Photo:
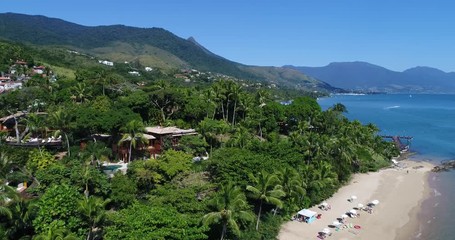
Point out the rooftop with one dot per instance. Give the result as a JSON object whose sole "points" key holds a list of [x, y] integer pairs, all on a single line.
{"points": [[169, 130]]}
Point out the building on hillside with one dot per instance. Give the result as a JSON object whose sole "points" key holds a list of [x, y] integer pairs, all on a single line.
{"points": [[11, 85], [19, 62], [161, 134], [5, 79], [26, 139], [39, 69], [107, 63], [156, 139], [134, 73]]}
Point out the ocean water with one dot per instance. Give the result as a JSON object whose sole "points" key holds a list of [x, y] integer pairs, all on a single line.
{"points": [[430, 120]]}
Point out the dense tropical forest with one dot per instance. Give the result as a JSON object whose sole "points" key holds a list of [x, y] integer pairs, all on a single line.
{"points": [[261, 152]]}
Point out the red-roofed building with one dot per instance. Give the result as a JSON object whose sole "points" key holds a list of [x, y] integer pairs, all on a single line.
{"points": [[5, 79], [21, 62], [155, 137], [39, 69]]}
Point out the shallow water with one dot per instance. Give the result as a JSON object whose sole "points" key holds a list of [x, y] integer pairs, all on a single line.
{"points": [[429, 119]]}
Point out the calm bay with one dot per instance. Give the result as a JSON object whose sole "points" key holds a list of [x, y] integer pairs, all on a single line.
{"points": [[429, 119]]}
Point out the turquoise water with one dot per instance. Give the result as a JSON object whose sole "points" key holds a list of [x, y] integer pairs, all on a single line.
{"points": [[111, 167], [430, 120]]}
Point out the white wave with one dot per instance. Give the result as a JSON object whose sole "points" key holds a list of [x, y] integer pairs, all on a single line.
{"points": [[436, 193], [391, 107]]}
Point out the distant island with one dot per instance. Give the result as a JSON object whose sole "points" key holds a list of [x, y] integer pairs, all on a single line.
{"points": [[366, 77]]}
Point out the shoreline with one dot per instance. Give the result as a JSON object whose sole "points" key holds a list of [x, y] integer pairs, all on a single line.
{"points": [[401, 192]]}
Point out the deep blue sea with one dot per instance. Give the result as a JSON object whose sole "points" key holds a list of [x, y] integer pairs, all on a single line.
{"points": [[430, 120]]}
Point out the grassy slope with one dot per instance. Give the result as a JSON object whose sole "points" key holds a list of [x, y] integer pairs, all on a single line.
{"points": [[146, 55]]}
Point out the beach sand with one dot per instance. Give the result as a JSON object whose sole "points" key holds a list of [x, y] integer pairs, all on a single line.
{"points": [[400, 192]]}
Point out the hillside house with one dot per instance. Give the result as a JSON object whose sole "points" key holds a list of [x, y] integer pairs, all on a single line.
{"points": [[157, 137], [18, 62], [107, 63], [39, 69], [5, 79], [8, 124], [134, 73]]}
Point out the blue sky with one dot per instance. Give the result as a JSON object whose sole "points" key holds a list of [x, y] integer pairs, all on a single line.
{"points": [[397, 34]]}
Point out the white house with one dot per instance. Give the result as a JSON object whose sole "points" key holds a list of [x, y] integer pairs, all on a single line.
{"points": [[107, 63], [134, 73]]}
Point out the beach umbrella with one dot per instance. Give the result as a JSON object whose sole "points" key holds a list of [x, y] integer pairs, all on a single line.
{"points": [[326, 230], [353, 211], [360, 205], [344, 216], [353, 197], [336, 223], [375, 202]]}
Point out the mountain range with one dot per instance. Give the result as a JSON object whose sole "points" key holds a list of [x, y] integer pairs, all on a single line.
{"points": [[159, 48], [363, 76], [155, 47]]}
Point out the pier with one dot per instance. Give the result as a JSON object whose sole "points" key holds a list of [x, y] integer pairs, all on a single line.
{"points": [[398, 143]]}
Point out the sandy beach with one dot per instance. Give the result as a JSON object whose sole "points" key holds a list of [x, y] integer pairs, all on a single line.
{"points": [[400, 192]]}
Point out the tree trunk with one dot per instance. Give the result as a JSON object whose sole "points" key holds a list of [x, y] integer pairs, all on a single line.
{"points": [[17, 131], [129, 151], [233, 114], [163, 116], [222, 110], [67, 144], [260, 130], [227, 111], [86, 193], [275, 210], [259, 216], [223, 231]]}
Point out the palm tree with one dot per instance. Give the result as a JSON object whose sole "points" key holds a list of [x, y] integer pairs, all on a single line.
{"points": [[7, 194], [93, 209], [262, 96], [55, 233], [241, 137], [236, 90], [209, 98], [80, 92], [133, 132], [95, 151], [3, 135], [61, 121], [229, 205], [23, 214], [87, 177], [103, 79], [339, 108], [292, 183], [266, 190], [35, 124], [6, 165], [219, 94]]}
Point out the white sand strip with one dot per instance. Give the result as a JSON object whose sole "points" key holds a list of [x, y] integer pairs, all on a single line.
{"points": [[399, 191]]}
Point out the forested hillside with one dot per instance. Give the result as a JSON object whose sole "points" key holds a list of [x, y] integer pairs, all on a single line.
{"points": [[253, 163], [155, 47]]}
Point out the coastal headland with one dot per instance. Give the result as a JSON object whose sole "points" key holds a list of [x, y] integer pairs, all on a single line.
{"points": [[400, 191]]}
